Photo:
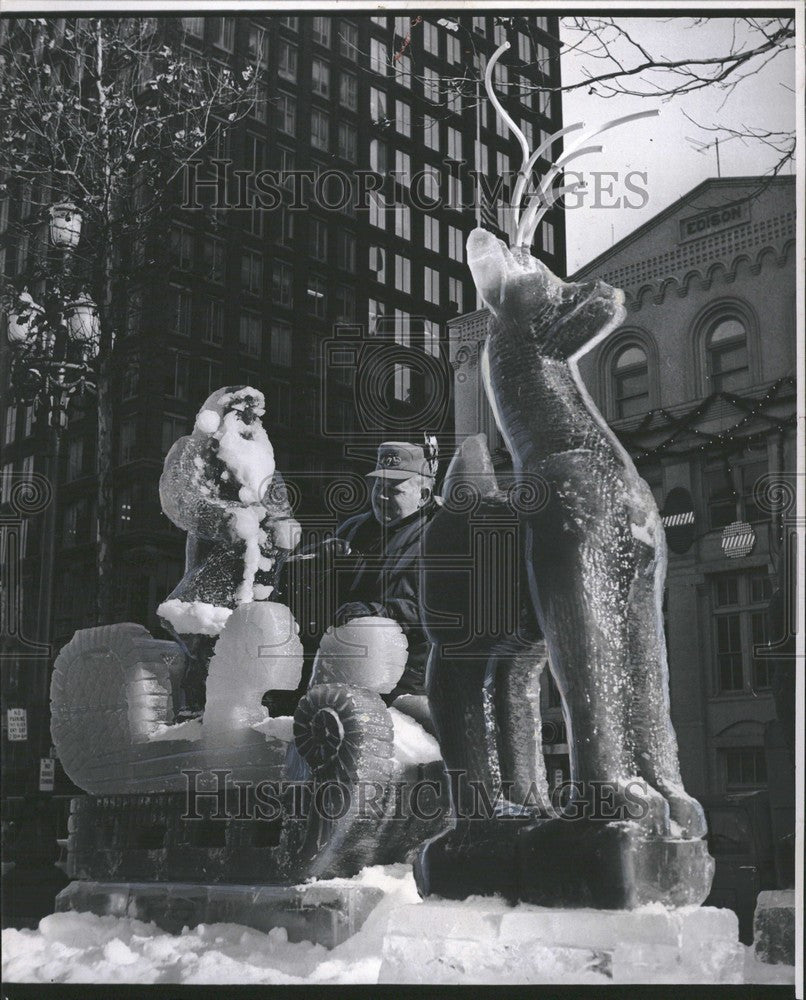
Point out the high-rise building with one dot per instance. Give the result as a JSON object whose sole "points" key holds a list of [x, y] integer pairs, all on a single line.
{"points": [[363, 141]]}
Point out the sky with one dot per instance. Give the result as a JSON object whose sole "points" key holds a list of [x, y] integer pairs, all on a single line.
{"points": [[660, 147]]}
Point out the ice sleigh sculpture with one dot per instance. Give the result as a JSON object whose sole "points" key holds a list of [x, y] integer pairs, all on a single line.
{"points": [[113, 693]]}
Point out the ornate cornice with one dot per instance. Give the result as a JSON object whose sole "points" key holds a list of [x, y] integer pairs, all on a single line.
{"points": [[703, 278], [771, 233]]}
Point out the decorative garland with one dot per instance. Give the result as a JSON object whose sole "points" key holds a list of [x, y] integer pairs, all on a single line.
{"points": [[725, 440]]}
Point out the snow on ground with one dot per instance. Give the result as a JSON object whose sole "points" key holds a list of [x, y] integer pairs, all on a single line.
{"points": [[84, 948]]}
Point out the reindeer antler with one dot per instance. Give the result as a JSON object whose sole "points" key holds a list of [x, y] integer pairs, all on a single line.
{"points": [[543, 198]]}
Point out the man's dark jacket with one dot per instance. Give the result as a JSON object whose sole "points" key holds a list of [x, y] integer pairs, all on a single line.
{"points": [[382, 571]]}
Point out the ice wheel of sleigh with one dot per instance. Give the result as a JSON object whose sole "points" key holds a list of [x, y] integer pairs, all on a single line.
{"points": [[344, 733]]}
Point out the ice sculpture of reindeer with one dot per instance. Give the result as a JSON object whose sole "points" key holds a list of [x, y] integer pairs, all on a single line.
{"points": [[592, 565]]}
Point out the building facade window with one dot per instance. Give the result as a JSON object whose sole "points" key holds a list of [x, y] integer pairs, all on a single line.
{"points": [[402, 274], [403, 71], [182, 248], [211, 375], [730, 487], [431, 38], [431, 84], [630, 374], [456, 244], [285, 227], [223, 33], [250, 334], [77, 523], [431, 132], [320, 129], [431, 337], [181, 308], [377, 210], [287, 113], [281, 349], [403, 118], [345, 304], [431, 233], [10, 432], [258, 46], [348, 39], [744, 768], [378, 159], [124, 508], [346, 251], [402, 168], [173, 428], [348, 141], [739, 627], [282, 284], [377, 104], [727, 363], [320, 77], [403, 221], [318, 239], [287, 60], [454, 144], [377, 57], [320, 30], [455, 294], [377, 262], [193, 26], [252, 272], [547, 236], [128, 440], [317, 296], [431, 285], [213, 253], [213, 329], [348, 90]]}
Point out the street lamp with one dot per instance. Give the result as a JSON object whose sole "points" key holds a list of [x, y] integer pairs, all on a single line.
{"points": [[54, 345], [65, 225]]}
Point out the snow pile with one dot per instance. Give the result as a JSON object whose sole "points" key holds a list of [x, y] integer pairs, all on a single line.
{"points": [[189, 731], [194, 617], [279, 728], [84, 948], [413, 745]]}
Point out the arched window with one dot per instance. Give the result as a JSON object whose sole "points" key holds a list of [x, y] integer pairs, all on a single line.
{"points": [[630, 381], [726, 350]]}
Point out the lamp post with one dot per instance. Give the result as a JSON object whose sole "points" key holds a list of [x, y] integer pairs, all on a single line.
{"points": [[54, 346]]}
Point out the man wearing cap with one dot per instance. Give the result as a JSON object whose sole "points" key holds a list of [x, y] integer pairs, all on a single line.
{"points": [[383, 548]]}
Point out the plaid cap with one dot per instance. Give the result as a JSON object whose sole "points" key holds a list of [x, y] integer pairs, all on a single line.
{"points": [[401, 460]]}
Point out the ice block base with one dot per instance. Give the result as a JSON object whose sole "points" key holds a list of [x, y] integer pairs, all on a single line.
{"points": [[483, 941], [320, 913], [555, 862], [774, 927]]}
